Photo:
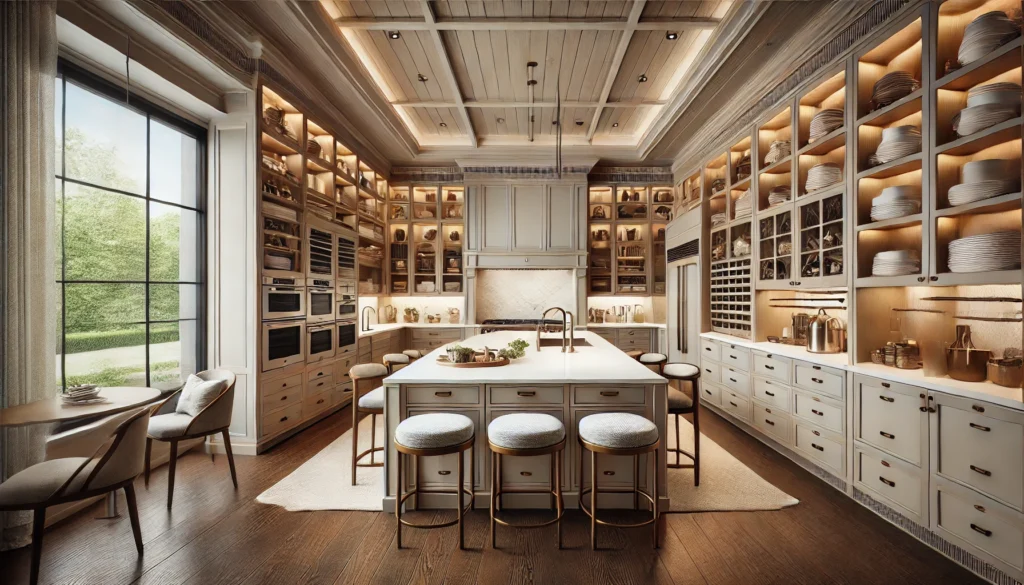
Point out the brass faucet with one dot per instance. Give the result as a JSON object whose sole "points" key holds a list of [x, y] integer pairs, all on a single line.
{"points": [[567, 319]]}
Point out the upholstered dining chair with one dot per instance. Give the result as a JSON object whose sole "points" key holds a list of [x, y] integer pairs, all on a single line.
{"points": [[109, 459], [200, 409]]}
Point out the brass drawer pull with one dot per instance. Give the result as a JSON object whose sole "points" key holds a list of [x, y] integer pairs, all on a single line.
{"points": [[769, 367], [984, 472], [768, 410], [818, 412], [978, 408], [818, 447], [980, 530], [769, 422], [885, 463], [979, 508], [887, 482], [886, 385], [525, 473], [887, 435], [815, 367], [443, 394], [283, 398], [980, 428], [609, 393], [283, 418], [769, 394], [707, 370], [734, 404], [733, 380], [816, 433], [609, 473], [321, 401], [445, 472], [708, 392], [817, 381], [733, 357], [887, 399], [707, 349], [526, 393]]}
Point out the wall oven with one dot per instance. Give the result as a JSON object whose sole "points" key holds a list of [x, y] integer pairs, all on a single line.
{"points": [[320, 296], [346, 338], [284, 344], [347, 305], [283, 299], [320, 342]]}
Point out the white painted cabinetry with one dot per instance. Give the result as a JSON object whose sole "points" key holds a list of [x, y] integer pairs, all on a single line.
{"points": [[532, 218]]}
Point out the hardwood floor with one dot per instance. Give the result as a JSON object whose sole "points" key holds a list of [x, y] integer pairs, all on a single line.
{"points": [[216, 535]]}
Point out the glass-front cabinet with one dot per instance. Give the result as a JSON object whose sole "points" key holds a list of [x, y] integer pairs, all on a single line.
{"points": [[821, 260], [775, 245]]}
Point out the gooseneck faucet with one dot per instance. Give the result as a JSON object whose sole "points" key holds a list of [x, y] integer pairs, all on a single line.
{"points": [[566, 320], [365, 324]]}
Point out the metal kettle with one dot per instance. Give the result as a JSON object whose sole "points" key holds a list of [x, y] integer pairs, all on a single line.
{"points": [[826, 334]]}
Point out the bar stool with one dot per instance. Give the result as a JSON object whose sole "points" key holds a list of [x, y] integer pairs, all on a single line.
{"points": [[653, 360], [433, 435], [526, 435], [414, 354], [395, 362], [618, 433], [679, 404], [635, 354], [372, 403]]}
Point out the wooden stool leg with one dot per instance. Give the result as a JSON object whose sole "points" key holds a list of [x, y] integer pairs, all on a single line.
{"points": [[696, 445], [472, 478], [355, 434], [494, 491], [654, 508], [636, 482], [679, 446], [38, 527], [373, 435], [559, 506], [461, 485], [398, 499], [593, 500], [498, 503]]}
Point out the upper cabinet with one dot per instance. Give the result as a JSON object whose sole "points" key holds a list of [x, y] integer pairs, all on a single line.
{"points": [[525, 218]]}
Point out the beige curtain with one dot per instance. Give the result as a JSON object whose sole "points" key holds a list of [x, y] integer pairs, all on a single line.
{"points": [[28, 66]]}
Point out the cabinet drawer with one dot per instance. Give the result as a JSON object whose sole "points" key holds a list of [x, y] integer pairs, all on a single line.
{"points": [[819, 379], [710, 350], [319, 371], [894, 480], [710, 393], [446, 334], [282, 398], [639, 334], [772, 366], [282, 420], [773, 423], [274, 386], [981, 451], [443, 395], [980, 522], [735, 404], [527, 394], [317, 403], [606, 334], [888, 416], [736, 356], [736, 380], [825, 413], [608, 395], [710, 372], [826, 450], [773, 394], [629, 343], [319, 386], [341, 369]]}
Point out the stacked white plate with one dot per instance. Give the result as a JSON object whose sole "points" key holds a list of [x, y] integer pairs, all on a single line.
{"points": [[896, 263], [892, 87], [779, 195], [896, 201], [988, 105], [82, 394], [778, 150], [985, 252], [823, 175], [985, 34], [743, 207], [718, 219], [824, 122], [984, 179], [897, 143]]}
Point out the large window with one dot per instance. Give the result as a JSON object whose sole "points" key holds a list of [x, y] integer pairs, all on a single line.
{"points": [[130, 238]]}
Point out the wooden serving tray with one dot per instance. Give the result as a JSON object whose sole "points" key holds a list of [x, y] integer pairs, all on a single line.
{"points": [[490, 364]]}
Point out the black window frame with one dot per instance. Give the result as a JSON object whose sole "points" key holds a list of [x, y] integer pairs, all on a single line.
{"points": [[85, 79]]}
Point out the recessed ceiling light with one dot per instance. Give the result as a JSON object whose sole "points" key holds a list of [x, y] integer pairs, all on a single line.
{"points": [[394, 35], [642, 78], [500, 120], [421, 77], [615, 125], [443, 125], [670, 36]]}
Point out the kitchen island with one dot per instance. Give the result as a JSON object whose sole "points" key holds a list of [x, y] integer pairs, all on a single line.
{"points": [[597, 377]]}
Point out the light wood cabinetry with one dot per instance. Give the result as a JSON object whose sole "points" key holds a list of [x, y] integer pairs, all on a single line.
{"points": [[426, 234], [527, 232], [529, 219], [626, 238]]}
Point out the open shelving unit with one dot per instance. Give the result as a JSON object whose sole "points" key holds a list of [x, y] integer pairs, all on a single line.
{"points": [[425, 239]]}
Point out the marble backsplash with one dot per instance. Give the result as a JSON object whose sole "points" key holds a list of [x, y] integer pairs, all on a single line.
{"points": [[522, 294]]}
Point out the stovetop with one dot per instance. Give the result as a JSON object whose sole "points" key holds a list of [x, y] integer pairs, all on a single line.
{"points": [[516, 324]]}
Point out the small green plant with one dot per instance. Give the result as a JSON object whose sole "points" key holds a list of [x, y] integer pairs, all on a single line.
{"points": [[515, 350], [460, 354]]}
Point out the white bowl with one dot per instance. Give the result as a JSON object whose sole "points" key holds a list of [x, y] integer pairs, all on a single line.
{"points": [[898, 193], [991, 170]]}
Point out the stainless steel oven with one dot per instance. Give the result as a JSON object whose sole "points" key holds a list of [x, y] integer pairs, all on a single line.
{"points": [[283, 299], [347, 304], [284, 343], [320, 342], [320, 296], [346, 338]]}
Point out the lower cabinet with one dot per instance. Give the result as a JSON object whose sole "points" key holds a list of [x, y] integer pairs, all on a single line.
{"points": [[985, 527], [893, 481]]}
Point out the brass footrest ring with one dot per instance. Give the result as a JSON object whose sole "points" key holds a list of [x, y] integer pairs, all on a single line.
{"points": [[367, 452], [637, 491], [494, 514], [417, 491]]}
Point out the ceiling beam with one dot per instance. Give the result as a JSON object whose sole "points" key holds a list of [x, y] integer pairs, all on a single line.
{"points": [[676, 24], [613, 71], [449, 72], [518, 104]]}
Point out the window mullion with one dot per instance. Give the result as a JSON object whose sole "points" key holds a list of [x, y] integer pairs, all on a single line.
{"points": [[149, 173]]}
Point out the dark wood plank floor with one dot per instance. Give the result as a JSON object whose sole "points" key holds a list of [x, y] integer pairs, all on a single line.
{"points": [[216, 535]]}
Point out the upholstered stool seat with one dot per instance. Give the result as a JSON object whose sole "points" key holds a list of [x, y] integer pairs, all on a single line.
{"points": [[621, 434], [635, 353], [369, 370], [432, 435], [435, 430], [678, 400], [618, 430], [372, 400], [653, 358], [396, 358], [680, 371], [526, 435], [413, 353], [679, 403]]}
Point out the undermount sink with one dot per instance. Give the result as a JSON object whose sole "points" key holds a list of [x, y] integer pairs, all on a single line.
{"points": [[557, 342]]}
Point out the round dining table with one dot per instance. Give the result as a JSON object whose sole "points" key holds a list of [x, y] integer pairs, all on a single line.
{"points": [[53, 410]]}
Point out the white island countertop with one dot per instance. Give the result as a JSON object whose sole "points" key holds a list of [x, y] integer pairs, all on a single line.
{"points": [[598, 363]]}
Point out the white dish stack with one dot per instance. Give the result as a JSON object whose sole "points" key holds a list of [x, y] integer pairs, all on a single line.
{"points": [[824, 122], [984, 179], [718, 219], [823, 175], [985, 34], [777, 150], [988, 105], [743, 207], [893, 87], [779, 195], [82, 394], [896, 201], [897, 142], [896, 263], [985, 252]]}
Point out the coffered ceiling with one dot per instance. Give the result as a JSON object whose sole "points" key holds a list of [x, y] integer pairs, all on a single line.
{"points": [[456, 72]]}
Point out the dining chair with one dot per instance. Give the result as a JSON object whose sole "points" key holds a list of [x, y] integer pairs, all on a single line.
{"points": [[200, 409], [111, 457]]}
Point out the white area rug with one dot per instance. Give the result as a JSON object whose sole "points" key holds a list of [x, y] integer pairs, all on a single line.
{"points": [[323, 483]]}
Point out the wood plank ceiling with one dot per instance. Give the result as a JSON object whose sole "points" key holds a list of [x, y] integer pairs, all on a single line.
{"points": [[456, 70]]}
